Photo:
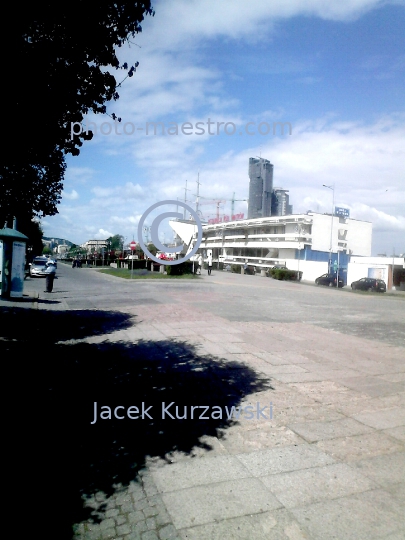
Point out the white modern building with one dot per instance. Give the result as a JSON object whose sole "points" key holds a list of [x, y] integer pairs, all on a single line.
{"points": [[62, 248], [94, 245], [304, 242]]}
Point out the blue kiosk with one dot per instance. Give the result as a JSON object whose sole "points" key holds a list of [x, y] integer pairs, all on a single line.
{"points": [[12, 263]]}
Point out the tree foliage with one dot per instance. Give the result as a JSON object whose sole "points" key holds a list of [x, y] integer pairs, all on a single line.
{"points": [[152, 248], [76, 250], [54, 60], [115, 242], [32, 229]]}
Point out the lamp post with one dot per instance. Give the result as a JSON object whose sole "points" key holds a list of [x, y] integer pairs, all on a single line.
{"points": [[299, 231], [146, 231], [332, 187], [108, 251]]}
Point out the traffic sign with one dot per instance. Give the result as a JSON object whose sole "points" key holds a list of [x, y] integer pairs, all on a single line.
{"points": [[132, 245]]}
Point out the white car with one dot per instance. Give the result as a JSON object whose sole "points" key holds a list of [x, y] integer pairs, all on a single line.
{"points": [[38, 267]]}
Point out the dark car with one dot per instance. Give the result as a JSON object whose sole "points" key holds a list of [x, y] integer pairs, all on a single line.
{"points": [[329, 280], [369, 284]]}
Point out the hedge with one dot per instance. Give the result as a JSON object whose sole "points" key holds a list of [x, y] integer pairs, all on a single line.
{"points": [[284, 274], [179, 269]]}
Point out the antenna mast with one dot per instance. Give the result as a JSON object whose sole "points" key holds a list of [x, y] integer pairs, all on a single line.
{"points": [[185, 198]]}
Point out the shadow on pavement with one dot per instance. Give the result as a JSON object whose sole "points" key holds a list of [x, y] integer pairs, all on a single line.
{"points": [[56, 385], [43, 328]]}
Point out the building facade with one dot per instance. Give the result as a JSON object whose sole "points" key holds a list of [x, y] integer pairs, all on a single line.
{"points": [[94, 245], [299, 242], [260, 188], [281, 203], [389, 269]]}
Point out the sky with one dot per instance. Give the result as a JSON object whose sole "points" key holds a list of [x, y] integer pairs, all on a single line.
{"points": [[332, 71]]}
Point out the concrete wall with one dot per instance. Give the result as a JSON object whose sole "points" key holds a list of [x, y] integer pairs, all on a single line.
{"points": [[359, 237], [310, 269], [357, 271], [321, 232], [286, 253], [376, 267]]}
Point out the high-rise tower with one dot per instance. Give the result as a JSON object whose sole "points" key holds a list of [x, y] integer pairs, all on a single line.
{"points": [[260, 188], [281, 203]]}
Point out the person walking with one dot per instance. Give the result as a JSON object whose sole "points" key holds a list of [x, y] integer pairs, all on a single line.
{"points": [[50, 276], [200, 263], [209, 263]]}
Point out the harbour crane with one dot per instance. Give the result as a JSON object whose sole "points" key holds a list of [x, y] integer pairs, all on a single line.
{"points": [[218, 202], [233, 200]]}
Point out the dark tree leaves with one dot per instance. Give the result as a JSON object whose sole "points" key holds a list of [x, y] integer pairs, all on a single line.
{"points": [[53, 59]]}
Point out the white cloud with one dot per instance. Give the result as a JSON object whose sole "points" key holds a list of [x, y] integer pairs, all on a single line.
{"points": [[102, 234], [79, 175], [118, 193], [102, 192], [183, 23], [381, 220], [72, 196]]}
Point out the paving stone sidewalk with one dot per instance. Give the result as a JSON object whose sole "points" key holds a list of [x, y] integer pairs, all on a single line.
{"points": [[329, 464]]}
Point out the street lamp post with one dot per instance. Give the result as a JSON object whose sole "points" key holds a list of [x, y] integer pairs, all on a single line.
{"points": [[332, 187], [299, 249], [123, 250], [302, 229]]}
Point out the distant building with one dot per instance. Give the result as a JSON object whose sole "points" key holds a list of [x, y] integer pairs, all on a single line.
{"points": [[389, 269], [62, 248], [94, 245], [281, 203], [260, 188], [48, 243], [264, 201]]}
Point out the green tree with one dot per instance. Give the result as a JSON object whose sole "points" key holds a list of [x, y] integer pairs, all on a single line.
{"points": [[152, 248], [46, 251], [116, 242], [33, 230], [58, 61], [76, 250]]}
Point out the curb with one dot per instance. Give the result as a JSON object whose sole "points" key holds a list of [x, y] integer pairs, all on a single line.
{"points": [[34, 303]]}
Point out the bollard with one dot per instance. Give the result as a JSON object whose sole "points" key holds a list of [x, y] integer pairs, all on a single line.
{"points": [[49, 282]]}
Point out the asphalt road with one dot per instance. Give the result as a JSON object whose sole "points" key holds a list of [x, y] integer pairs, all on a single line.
{"points": [[235, 297]]}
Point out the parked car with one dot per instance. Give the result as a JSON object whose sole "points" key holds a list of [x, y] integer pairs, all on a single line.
{"points": [[369, 284], [38, 267], [329, 280]]}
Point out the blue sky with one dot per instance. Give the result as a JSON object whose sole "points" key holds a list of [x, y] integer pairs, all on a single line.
{"points": [[333, 70]]}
